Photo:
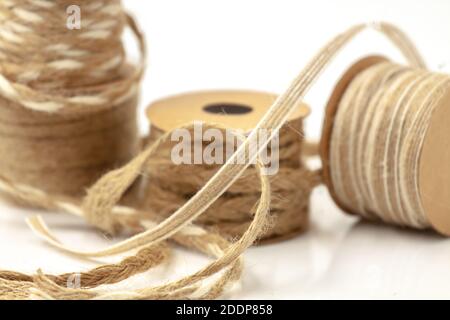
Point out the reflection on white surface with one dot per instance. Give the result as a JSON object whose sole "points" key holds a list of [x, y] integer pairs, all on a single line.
{"points": [[340, 258]]}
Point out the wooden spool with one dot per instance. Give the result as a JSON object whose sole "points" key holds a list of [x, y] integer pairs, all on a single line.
{"points": [[434, 166]]}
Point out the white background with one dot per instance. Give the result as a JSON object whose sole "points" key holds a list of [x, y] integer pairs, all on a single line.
{"points": [[262, 45]]}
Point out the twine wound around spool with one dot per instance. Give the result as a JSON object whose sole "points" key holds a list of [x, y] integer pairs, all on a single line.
{"points": [[68, 98], [168, 185], [384, 144]]}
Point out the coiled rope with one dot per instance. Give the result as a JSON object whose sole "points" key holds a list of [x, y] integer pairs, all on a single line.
{"points": [[169, 186], [387, 107], [68, 97]]}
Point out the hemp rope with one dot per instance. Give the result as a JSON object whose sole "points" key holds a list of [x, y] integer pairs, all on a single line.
{"points": [[190, 237], [68, 97], [168, 186], [72, 95], [32, 75], [99, 207], [391, 107]]}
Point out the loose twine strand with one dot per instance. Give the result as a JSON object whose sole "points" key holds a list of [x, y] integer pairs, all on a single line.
{"points": [[191, 236], [390, 108], [71, 78], [100, 205]]}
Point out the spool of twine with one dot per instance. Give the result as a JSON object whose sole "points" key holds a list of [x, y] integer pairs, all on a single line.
{"points": [[67, 97], [100, 209], [387, 150], [169, 185]]}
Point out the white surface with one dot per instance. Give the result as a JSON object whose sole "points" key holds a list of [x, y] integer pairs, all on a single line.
{"points": [[262, 45]]}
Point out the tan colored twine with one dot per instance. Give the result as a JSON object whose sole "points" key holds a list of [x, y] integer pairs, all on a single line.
{"points": [[191, 237], [100, 205], [33, 75], [68, 97], [84, 92], [169, 186], [391, 107]]}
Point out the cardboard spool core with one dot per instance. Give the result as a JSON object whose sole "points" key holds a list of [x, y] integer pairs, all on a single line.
{"points": [[231, 109], [434, 165]]}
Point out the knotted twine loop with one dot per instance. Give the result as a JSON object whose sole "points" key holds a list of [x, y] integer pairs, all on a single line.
{"points": [[274, 119]]}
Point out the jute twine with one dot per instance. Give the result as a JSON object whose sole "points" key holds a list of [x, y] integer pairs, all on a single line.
{"points": [[67, 97], [52, 287], [169, 186], [100, 209], [68, 105], [391, 108]]}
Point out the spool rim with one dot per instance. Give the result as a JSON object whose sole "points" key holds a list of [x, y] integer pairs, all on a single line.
{"points": [[434, 173], [159, 109]]}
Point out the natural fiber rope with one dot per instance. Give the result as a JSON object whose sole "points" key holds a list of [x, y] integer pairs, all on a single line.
{"points": [[191, 237], [387, 107], [71, 95], [67, 97], [169, 186], [55, 58], [100, 205]]}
